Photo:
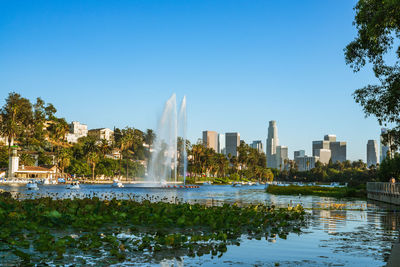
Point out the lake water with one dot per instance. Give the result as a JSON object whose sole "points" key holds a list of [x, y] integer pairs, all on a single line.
{"points": [[359, 235]]}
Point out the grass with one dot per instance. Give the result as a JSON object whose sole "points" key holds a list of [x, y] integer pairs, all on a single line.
{"points": [[338, 192]]}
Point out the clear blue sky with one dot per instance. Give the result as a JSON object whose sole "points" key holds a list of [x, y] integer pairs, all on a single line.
{"points": [[240, 63]]}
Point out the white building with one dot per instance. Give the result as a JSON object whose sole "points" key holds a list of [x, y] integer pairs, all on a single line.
{"points": [[102, 133], [221, 144], [272, 143], [76, 131]]}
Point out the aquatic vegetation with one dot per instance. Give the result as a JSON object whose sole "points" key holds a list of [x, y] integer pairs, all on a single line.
{"points": [[43, 230], [339, 192]]}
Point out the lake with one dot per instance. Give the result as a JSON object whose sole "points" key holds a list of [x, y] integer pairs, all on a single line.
{"points": [[355, 233]]}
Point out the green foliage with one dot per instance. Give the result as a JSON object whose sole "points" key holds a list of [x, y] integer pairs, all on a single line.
{"points": [[390, 167], [46, 230], [3, 157], [377, 42], [338, 192], [79, 168], [343, 172], [205, 161]]}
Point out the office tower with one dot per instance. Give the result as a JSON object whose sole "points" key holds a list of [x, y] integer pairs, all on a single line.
{"points": [[257, 145], [305, 163], [317, 145], [372, 153], [221, 143], [210, 140], [330, 137], [272, 143], [232, 141], [282, 158], [338, 150], [323, 154], [299, 153]]}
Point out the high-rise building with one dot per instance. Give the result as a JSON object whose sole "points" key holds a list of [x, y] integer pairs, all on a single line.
{"points": [[299, 153], [221, 143], [372, 153], [210, 140], [272, 143], [305, 163], [317, 145], [232, 141], [282, 159], [324, 155], [257, 145], [330, 137], [337, 149]]}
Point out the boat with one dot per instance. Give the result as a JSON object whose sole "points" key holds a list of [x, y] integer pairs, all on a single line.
{"points": [[207, 183], [117, 183], [32, 185], [73, 185]]}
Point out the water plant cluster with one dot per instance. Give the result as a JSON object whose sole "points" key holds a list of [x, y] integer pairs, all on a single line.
{"points": [[88, 230], [339, 192]]}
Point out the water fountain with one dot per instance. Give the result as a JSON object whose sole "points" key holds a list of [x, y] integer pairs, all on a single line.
{"points": [[164, 158]]}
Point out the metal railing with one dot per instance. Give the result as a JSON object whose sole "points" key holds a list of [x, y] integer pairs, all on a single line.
{"points": [[384, 188]]}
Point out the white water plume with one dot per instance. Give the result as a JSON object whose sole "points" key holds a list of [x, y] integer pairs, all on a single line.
{"points": [[164, 158]]}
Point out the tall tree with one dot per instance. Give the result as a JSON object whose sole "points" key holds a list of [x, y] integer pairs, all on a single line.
{"points": [[377, 42], [15, 116], [92, 159]]}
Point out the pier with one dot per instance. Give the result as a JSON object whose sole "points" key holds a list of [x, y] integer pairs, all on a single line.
{"points": [[384, 192]]}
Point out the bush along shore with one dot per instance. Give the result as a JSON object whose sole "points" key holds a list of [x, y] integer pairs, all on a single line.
{"points": [[93, 231], [338, 192]]}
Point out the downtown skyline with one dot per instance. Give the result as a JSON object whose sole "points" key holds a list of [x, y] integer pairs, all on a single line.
{"points": [[240, 66]]}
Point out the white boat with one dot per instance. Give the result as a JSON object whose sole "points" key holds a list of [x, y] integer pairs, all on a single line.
{"points": [[31, 185], [73, 185], [207, 183], [117, 183]]}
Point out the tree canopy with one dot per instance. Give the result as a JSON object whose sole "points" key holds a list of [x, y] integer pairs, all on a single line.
{"points": [[377, 43]]}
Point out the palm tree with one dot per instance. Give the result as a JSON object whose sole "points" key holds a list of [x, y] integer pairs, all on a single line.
{"points": [[104, 147], [64, 160], [149, 138], [92, 159], [127, 142]]}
